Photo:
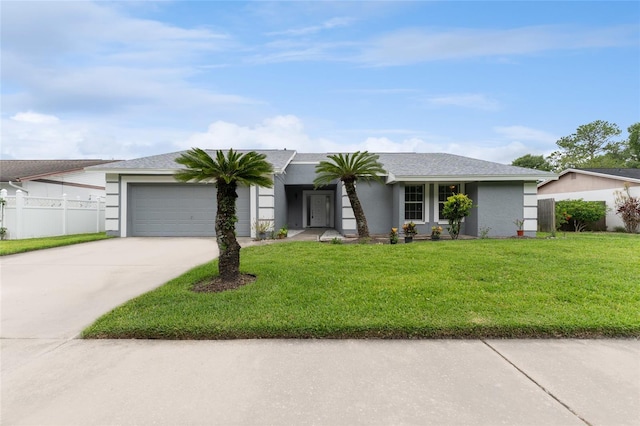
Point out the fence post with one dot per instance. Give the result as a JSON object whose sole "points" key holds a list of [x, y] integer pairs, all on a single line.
{"points": [[3, 196], [64, 214], [97, 214], [19, 211]]}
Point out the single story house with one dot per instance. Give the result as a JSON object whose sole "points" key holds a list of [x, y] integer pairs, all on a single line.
{"points": [[144, 199], [53, 178], [593, 185]]}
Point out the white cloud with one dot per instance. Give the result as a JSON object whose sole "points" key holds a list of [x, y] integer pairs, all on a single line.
{"points": [[34, 117], [284, 131], [30, 135], [89, 57], [411, 46], [522, 133], [471, 100], [326, 25]]}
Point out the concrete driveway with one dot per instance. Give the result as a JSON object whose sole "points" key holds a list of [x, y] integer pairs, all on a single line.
{"points": [[55, 293]]}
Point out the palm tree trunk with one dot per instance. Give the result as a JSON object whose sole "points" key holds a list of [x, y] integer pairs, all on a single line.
{"points": [[361, 220], [229, 258]]}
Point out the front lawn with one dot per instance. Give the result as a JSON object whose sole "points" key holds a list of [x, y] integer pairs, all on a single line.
{"points": [[585, 285], [30, 244]]}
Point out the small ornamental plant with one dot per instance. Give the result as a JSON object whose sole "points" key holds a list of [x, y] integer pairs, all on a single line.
{"points": [[435, 232], [409, 229], [393, 236], [456, 208]]}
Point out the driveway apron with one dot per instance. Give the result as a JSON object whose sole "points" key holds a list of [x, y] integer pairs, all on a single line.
{"points": [[55, 293]]}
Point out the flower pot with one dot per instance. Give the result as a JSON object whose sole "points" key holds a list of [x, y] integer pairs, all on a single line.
{"points": [[520, 232], [262, 235], [435, 237], [408, 240]]}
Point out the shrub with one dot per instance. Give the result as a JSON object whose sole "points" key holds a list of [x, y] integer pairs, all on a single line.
{"points": [[580, 211], [628, 208], [456, 208]]}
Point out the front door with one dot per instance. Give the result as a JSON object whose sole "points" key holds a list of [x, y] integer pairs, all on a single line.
{"points": [[319, 209]]}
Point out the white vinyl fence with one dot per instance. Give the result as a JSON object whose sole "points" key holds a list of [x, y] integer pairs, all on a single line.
{"points": [[32, 217]]}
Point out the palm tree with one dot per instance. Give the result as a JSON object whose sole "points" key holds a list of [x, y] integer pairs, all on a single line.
{"points": [[350, 168], [228, 172]]}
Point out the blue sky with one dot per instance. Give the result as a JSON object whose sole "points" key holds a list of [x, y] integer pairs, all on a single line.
{"points": [[490, 80]]}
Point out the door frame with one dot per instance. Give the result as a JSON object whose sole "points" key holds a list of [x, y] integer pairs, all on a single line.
{"points": [[305, 206]]}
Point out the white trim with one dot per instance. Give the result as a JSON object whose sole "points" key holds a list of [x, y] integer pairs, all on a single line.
{"points": [[426, 194], [332, 208], [253, 209], [436, 198], [597, 174], [124, 188], [470, 178]]}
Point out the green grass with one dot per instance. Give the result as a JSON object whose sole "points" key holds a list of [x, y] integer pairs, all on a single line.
{"points": [[30, 244], [585, 285]]}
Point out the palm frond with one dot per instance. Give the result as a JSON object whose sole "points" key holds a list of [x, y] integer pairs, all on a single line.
{"points": [[349, 167], [248, 169]]}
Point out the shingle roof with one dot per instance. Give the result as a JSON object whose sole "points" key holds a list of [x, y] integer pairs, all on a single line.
{"points": [[278, 158], [21, 170], [439, 165], [405, 165], [627, 173]]}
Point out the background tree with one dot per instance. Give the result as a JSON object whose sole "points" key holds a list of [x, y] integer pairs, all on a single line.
{"points": [[581, 212], [633, 146], [530, 161], [456, 208], [349, 168], [227, 172], [587, 146]]}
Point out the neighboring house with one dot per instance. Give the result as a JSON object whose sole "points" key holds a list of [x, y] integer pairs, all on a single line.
{"points": [[53, 178], [593, 185], [143, 198]]}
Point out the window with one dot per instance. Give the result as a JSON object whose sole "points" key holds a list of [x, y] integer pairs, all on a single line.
{"points": [[444, 192], [414, 202]]}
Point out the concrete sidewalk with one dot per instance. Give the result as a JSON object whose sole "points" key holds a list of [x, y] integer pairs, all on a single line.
{"points": [[329, 382]]}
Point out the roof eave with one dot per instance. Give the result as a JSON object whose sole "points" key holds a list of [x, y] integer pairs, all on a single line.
{"points": [[602, 175], [483, 178]]}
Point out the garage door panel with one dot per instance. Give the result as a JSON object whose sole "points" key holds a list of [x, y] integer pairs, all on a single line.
{"points": [[180, 210]]}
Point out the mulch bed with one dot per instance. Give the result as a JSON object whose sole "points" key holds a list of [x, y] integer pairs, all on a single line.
{"points": [[217, 284]]}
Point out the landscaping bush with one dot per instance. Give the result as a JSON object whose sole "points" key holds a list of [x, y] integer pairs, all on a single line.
{"points": [[456, 208], [579, 212]]}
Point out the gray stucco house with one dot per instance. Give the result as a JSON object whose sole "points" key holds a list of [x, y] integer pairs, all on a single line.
{"points": [[143, 198]]}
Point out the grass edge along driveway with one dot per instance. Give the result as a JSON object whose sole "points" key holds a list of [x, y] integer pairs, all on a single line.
{"points": [[8, 247], [584, 285]]}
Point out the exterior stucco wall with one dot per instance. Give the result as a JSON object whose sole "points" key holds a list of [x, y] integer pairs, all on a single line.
{"points": [[300, 174], [471, 225], [499, 204], [377, 203]]}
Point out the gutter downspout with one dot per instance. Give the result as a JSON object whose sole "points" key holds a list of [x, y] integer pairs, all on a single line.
{"points": [[11, 184]]}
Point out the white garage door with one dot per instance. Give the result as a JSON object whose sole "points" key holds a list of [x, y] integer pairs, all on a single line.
{"points": [[180, 210]]}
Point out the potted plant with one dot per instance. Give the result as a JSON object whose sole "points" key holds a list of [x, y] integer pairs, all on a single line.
{"points": [[393, 236], [283, 232], [409, 230], [262, 227], [435, 232], [519, 223]]}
